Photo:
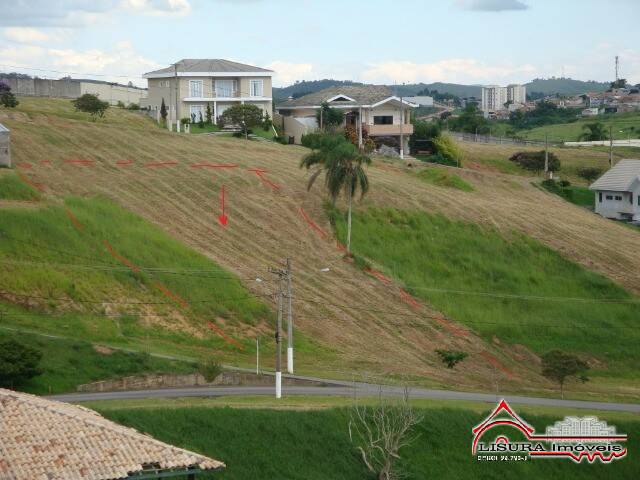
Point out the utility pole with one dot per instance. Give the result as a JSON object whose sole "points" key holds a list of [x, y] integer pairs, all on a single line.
{"points": [[611, 142], [289, 321], [617, 66], [282, 276], [257, 355], [546, 155], [401, 128], [321, 114]]}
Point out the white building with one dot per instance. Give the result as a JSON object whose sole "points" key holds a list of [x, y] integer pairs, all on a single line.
{"points": [[494, 97], [422, 101], [618, 191]]}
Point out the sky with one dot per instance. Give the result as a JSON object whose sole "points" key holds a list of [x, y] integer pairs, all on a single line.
{"points": [[373, 41]]}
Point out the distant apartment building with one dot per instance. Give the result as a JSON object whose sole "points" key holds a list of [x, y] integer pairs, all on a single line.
{"points": [[494, 97], [190, 85]]}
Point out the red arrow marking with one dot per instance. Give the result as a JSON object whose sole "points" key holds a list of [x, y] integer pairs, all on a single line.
{"points": [[223, 219]]}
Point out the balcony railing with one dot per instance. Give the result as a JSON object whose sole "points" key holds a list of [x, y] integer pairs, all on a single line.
{"points": [[407, 129]]}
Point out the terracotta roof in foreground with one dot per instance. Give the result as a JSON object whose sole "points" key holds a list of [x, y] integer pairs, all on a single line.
{"points": [[43, 439]]}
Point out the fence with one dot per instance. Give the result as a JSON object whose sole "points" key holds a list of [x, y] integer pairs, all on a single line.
{"points": [[472, 137]]}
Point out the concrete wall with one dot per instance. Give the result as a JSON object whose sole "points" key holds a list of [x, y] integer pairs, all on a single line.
{"points": [[68, 88], [294, 128], [5, 146], [145, 382]]}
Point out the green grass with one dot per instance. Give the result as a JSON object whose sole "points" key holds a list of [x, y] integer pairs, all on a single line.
{"points": [[68, 363], [266, 444], [624, 125], [75, 287], [429, 253], [444, 178], [577, 195], [13, 188], [261, 132], [195, 128]]}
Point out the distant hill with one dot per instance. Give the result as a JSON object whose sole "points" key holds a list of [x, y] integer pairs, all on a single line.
{"points": [[564, 86], [546, 86]]}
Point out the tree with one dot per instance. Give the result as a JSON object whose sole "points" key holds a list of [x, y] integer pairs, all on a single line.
{"points": [[558, 366], [593, 132], [7, 99], [344, 171], [210, 369], [18, 363], [328, 116], [163, 111], [209, 114], [470, 121], [451, 357], [590, 173], [91, 104], [379, 432], [448, 149], [246, 116], [620, 83], [534, 161]]}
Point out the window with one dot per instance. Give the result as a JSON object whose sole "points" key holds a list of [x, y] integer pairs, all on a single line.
{"points": [[383, 120], [600, 197], [196, 112], [609, 197], [225, 88], [163, 83], [195, 88], [255, 88], [639, 200], [618, 197]]}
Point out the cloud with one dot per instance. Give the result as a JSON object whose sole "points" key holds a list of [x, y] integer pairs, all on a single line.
{"points": [[285, 73], [461, 70], [491, 5], [119, 64], [26, 35], [158, 7], [74, 13]]}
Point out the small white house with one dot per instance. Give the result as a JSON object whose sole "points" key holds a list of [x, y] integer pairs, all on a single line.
{"points": [[618, 191]]}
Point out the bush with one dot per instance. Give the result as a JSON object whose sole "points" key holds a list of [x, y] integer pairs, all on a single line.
{"points": [[133, 106], [185, 121], [210, 369], [318, 141], [91, 104], [590, 173], [120, 104], [7, 99], [311, 140], [534, 161], [447, 148], [18, 363], [281, 139], [559, 188], [247, 116]]}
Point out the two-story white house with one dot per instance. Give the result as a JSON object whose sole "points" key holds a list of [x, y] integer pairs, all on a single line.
{"points": [[189, 85], [370, 108], [618, 191]]}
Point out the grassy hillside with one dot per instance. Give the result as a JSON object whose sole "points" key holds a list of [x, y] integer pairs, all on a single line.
{"points": [[265, 444], [12, 187], [564, 86], [341, 313], [68, 363], [508, 288], [624, 126]]}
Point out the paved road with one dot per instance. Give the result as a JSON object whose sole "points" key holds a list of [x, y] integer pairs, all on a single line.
{"points": [[339, 388]]}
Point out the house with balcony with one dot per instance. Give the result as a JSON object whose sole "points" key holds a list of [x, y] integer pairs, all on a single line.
{"points": [[189, 85], [372, 109]]}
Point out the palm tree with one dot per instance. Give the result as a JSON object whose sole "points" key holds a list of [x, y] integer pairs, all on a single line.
{"points": [[344, 171], [593, 132]]}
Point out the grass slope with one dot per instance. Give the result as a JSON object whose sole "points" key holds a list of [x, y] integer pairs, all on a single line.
{"points": [[444, 178], [13, 188], [429, 253], [69, 363], [265, 444], [624, 125]]}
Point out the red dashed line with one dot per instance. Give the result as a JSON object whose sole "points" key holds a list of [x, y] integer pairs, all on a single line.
{"points": [[379, 275], [160, 164], [76, 223], [496, 363], [45, 162], [37, 186], [409, 299], [124, 163], [168, 293], [213, 165], [340, 246], [119, 257], [224, 336], [79, 162], [312, 224], [25, 166]]}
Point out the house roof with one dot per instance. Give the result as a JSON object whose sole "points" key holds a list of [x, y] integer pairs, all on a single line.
{"points": [[210, 65], [49, 440], [620, 178], [356, 95]]}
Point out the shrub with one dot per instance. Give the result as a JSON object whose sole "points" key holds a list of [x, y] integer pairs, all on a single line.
{"points": [[266, 122], [534, 161], [185, 121], [447, 148], [18, 363], [210, 368], [7, 99], [209, 114], [451, 357], [247, 116], [120, 104], [91, 104], [133, 106], [590, 173]]}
